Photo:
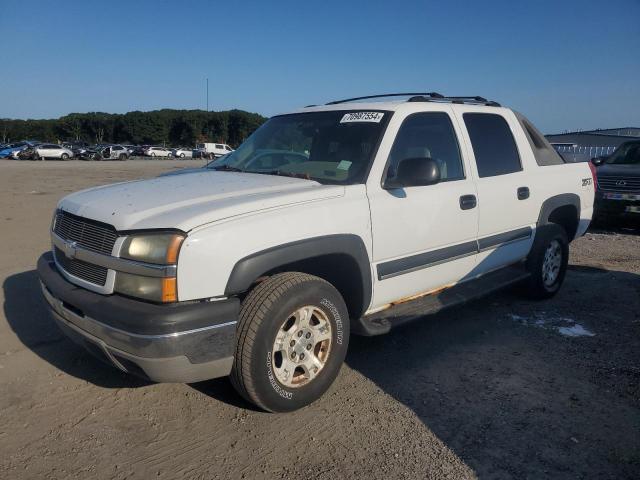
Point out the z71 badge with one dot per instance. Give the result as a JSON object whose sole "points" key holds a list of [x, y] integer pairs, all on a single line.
{"points": [[587, 181]]}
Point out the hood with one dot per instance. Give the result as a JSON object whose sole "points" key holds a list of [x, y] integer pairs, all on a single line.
{"points": [[618, 170], [188, 201]]}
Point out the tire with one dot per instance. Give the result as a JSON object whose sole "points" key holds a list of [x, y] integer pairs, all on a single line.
{"points": [[547, 262], [265, 313], [182, 155], [64, 156], [122, 157], [152, 154]]}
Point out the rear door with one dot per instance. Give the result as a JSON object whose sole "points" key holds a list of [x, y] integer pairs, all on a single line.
{"points": [[507, 213]]}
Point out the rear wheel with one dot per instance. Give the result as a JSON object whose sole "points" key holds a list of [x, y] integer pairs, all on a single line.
{"points": [[122, 157], [292, 339], [547, 262], [64, 156]]}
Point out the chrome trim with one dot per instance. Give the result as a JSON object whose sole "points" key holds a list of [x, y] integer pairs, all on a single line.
{"points": [[103, 290], [72, 250], [162, 345]]}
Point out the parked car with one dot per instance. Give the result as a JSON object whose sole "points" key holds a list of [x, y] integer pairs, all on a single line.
{"points": [[157, 152], [182, 152], [79, 149], [618, 184], [139, 150], [28, 153], [389, 211], [52, 151], [11, 150], [215, 149], [111, 152]]}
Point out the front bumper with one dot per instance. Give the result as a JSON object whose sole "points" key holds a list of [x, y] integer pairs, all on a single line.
{"points": [[619, 205], [164, 343]]}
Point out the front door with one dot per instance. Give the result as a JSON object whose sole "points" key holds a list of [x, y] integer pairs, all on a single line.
{"points": [[424, 238]]}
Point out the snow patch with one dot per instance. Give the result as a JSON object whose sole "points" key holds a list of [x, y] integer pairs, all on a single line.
{"points": [[563, 325], [576, 330]]}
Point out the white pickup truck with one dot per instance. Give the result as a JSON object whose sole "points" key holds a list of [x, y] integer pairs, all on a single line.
{"points": [[356, 216]]}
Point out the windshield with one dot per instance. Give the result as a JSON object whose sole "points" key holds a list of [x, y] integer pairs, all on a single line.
{"points": [[328, 147], [627, 154]]}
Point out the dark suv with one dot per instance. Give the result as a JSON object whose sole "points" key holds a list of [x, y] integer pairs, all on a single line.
{"points": [[618, 184]]}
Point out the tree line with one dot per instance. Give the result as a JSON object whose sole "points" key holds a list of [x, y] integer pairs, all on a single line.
{"points": [[160, 127]]}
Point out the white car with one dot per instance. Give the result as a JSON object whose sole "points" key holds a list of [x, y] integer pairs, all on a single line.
{"points": [[214, 149], [158, 152], [182, 152], [51, 150], [357, 218]]}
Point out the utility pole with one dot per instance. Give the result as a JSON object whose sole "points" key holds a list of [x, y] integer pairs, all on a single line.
{"points": [[207, 94]]}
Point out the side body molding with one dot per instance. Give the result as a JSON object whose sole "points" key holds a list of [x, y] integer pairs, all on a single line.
{"points": [[347, 248]]}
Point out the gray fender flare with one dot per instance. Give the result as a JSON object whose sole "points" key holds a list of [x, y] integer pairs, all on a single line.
{"points": [[550, 204], [561, 200], [247, 270]]}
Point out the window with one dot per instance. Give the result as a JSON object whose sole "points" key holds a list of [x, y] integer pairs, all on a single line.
{"points": [[428, 135], [219, 147], [493, 144]]}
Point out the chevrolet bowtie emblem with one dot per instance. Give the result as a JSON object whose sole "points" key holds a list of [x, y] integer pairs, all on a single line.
{"points": [[621, 183], [71, 249]]}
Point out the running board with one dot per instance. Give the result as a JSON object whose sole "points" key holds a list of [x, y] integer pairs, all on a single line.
{"points": [[382, 322]]}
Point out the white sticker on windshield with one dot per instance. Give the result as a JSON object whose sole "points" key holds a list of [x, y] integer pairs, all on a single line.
{"points": [[344, 165], [362, 117]]}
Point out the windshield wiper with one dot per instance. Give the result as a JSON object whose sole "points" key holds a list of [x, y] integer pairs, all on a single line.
{"points": [[227, 168], [304, 176]]}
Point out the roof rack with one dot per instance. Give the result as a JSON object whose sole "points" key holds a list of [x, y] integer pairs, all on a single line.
{"points": [[346, 100], [425, 97]]}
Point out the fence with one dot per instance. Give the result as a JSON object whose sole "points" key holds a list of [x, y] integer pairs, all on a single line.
{"points": [[590, 152]]}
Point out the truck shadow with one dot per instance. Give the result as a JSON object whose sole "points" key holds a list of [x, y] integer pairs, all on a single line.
{"points": [[27, 314], [504, 390]]}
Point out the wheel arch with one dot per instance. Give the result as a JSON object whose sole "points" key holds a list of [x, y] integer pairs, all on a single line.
{"points": [[340, 259], [563, 210]]}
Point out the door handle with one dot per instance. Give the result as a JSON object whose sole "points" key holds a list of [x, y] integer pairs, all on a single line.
{"points": [[523, 193], [468, 202]]}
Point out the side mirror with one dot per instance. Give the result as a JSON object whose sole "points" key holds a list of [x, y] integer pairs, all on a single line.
{"points": [[414, 172], [598, 161]]}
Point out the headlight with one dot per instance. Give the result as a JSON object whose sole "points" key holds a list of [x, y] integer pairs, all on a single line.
{"points": [[155, 289], [159, 248], [156, 248]]}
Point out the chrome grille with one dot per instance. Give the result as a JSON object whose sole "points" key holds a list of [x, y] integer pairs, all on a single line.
{"points": [[619, 184], [86, 271], [91, 235]]}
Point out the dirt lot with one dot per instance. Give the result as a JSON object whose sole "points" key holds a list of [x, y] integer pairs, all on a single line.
{"points": [[502, 388]]}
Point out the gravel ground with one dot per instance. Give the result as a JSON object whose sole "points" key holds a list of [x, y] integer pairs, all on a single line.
{"points": [[501, 388]]}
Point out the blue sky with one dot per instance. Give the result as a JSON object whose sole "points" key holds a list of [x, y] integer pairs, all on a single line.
{"points": [[564, 64]]}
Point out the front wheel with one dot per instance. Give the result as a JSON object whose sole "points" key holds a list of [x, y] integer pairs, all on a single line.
{"points": [[122, 157], [547, 262], [292, 340], [64, 156]]}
